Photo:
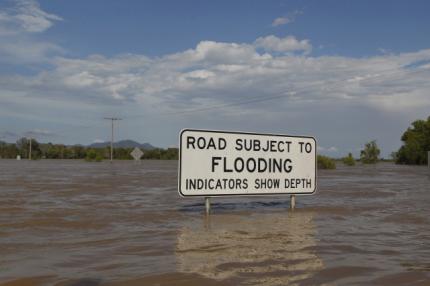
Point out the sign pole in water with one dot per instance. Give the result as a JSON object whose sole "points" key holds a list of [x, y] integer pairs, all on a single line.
{"points": [[218, 163], [292, 202], [208, 205]]}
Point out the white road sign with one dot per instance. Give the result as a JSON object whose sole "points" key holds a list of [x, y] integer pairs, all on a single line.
{"points": [[218, 163], [136, 153]]}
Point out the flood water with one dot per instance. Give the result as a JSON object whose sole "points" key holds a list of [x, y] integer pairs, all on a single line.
{"points": [[83, 224]]}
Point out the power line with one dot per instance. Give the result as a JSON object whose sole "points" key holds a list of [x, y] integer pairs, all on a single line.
{"points": [[293, 91], [387, 72], [249, 101]]}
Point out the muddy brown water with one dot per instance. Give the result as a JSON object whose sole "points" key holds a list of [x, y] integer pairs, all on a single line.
{"points": [[82, 224]]}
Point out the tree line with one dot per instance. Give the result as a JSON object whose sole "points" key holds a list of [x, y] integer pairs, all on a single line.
{"points": [[416, 144], [414, 151], [61, 151]]}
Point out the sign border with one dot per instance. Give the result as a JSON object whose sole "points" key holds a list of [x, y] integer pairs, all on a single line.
{"points": [[247, 133]]}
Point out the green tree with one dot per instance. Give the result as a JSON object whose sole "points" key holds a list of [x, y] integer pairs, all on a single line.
{"points": [[349, 160], [393, 156], [53, 151], [370, 154], [416, 144], [122, 153], [325, 162], [94, 155], [169, 154], [78, 151], [23, 145], [8, 151], [153, 154]]}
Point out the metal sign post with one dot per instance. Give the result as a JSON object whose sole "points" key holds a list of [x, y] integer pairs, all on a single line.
{"points": [[218, 163], [292, 202], [208, 205]]}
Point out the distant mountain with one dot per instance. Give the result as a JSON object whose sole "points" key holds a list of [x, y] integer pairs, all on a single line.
{"points": [[123, 144]]}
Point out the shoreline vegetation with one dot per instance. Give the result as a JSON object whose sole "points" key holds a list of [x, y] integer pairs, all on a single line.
{"points": [[416, 144], [414, 151], [92, 154]]}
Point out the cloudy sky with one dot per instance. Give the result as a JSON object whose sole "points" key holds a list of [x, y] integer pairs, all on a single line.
{"points": [[345, 72]]}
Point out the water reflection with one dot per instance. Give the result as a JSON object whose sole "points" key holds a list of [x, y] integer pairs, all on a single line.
{"points": [[266, 248]]}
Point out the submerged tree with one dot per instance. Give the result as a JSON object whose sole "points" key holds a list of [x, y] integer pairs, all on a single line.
{"points": [[370, 154], [324, 162], [61, 151], [416, 144], [8, 150], [349, 160], [23, 146], [93, 155]]}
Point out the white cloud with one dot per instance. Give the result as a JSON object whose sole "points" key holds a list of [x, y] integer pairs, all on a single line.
{"points": [[17, 51], [384, 51], [291, 17], [25, 16], [199, 74], [270, 83], [284, 45], [215, 52], [331, 149], [280, 21], [19, 26], [272, 79], [225, 74]]}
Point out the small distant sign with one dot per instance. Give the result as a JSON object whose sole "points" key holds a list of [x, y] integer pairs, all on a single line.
{"points": [[136, 154], [217, 163]]}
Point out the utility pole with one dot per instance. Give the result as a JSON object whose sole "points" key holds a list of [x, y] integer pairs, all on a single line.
{"points": [[29, 153], [111, 140]]}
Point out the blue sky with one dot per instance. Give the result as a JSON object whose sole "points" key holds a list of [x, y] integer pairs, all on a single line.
{"points": [[344, 71], [156, 28]]}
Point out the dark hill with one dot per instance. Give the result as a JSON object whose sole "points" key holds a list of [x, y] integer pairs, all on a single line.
{"points": [[123, 144]]}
